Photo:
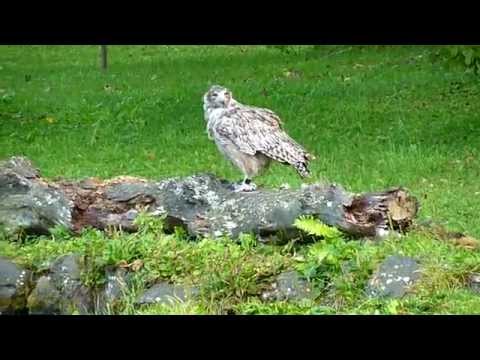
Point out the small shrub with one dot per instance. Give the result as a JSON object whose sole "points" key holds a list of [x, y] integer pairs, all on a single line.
{"points": [[466, 57]]}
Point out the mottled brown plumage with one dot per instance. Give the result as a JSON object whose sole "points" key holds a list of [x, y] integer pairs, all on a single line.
{"points": [[250, 136]]}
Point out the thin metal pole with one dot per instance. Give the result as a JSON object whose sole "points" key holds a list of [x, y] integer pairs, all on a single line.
{"points": [[103, 57]]}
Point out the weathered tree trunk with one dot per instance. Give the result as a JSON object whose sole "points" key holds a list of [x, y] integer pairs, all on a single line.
{"points": [[203, 204], [103, 57]]}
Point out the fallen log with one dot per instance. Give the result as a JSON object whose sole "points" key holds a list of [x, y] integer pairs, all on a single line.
{"points": [[202, 204]]}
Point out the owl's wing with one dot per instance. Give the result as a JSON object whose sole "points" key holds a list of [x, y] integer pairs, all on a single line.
{"points": [[255, 130], [267, 116]]}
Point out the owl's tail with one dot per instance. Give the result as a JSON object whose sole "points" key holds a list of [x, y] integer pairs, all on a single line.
{"points": [[302, 169]]}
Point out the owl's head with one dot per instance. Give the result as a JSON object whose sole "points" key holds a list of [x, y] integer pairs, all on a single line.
{"points": [[217, 97]]}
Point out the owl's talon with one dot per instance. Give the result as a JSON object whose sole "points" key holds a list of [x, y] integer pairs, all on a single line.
{"points": [[244, 187]]}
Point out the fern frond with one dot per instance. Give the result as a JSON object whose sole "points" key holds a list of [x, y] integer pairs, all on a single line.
{"points": [[312, 226]]}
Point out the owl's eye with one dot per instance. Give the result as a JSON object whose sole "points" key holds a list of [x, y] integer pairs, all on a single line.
{"points": [[214, 95]]}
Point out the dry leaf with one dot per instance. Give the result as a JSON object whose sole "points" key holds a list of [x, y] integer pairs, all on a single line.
{"points": [[467, 242], [150, 155], [123, 264], [136, 265]]}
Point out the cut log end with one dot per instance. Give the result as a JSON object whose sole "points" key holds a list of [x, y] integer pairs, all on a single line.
{"points": [[372, 214]]}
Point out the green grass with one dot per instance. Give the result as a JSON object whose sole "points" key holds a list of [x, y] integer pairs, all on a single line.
{"points": [[374, 116]]}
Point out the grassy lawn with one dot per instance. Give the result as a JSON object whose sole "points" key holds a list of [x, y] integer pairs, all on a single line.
{"points": [[375, 117]]}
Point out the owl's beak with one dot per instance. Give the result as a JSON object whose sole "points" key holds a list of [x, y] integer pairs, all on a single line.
{"points": [[228, 97]]}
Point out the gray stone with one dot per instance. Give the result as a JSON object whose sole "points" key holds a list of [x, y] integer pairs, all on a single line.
{"points": [[15, 284], [474, 282], [116, 285], [45, 298], [166, 293], [288, 286], [66, 269], [28, 205], [394, 277], [61, 290]]}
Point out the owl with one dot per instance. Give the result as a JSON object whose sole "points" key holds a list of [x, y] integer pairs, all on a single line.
{"points": [[250, 137]]}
